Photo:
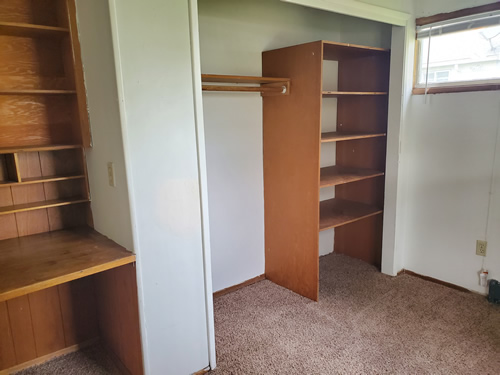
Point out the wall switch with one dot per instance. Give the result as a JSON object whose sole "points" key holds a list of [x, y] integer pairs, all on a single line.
{"points": [[481, 248], [111, 174]]}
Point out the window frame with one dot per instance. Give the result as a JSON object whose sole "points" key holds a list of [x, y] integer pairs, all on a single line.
{"points": [[451, 87]]}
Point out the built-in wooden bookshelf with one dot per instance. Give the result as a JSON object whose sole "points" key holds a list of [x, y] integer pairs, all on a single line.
{"points": [[293, 139], [57, 274]]}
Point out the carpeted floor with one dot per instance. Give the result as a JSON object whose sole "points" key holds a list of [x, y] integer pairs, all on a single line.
{"points": [[364, 323], [92, 360]]}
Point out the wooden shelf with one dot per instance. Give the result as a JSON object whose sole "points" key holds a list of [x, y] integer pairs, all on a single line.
{"points": [[12, 150], [36, 262], [240, 79], [36, 92], [39, 205], [336, 175], [337, 137], [268, 85], [336, 94], [30, 30], [337, 212], [40, 180], [344, 51]]}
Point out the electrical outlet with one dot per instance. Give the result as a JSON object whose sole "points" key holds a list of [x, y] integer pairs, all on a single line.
{"points": [[111, 174], [481, 248]]}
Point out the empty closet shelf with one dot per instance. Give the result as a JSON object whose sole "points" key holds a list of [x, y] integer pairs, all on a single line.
{"points": [[36, 262], [337, 212], [336, 175], [336, 94], [338, 137]]}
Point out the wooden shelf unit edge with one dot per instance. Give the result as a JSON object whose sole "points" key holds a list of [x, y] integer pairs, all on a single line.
{"points": [[66, 278], [339, 137], [36, 92], [268, 85], [115, 255], [31, 30], [328, 43], [218, 78], [368, 211], [6, 210], [18, 149], [353, 93], [40, 180]]}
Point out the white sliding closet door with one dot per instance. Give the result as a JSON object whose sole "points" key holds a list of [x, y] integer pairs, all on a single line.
{"points": [[154, 60]]}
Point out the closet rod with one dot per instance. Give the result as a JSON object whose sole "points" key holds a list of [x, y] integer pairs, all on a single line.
{"points": [[267, 85]]}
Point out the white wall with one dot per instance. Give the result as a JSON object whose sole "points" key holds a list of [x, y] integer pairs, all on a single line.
{"points": [[152, 48], [449, 148], [110, 205], [233, 35]]}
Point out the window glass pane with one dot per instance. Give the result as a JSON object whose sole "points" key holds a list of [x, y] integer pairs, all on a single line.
{"points": [[470, 55]]}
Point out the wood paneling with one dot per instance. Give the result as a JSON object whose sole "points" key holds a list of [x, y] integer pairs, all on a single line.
{"points": [[361, 240], [46, 322], [79, 310], [7, 354], [27, 120], [119, 316], [291, 137], [22, 329]]}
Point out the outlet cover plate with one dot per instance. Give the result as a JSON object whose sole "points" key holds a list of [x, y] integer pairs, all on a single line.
{"points": [[481, 248]]}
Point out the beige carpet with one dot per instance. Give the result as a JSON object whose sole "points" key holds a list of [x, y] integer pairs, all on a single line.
{"points": [[88, 361], [365, 323]]}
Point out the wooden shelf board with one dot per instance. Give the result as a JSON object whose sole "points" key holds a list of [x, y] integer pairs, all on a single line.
{"points": [[36, 92], [36, 262], [336, 94], [337, 175], [216, 78], [30, 30], [39, 180], [40, 205], [343, 51], [337, 136], [12, 150], [337, 212]]}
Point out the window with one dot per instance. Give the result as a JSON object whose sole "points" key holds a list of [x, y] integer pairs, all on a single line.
{"points": [[459, 53]]}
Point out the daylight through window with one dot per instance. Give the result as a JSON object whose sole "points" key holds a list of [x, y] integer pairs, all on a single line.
{"points": [[458, 52]]}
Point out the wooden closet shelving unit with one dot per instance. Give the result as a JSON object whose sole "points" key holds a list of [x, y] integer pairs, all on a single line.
{"points": [[62, 284], [294, 215]]}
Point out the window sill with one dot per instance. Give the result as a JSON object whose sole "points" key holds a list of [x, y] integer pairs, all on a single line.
{"points": [[454, 89]]}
